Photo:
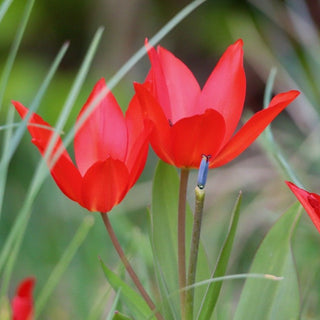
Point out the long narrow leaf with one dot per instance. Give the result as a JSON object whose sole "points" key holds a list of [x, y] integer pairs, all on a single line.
{"points": [[12, 141], [4, 7], [14, 49], [6, 147], [42, 172], [267, 139], [273, 300], [62, 265], [131, 298], [213, 290], [164, 239]]}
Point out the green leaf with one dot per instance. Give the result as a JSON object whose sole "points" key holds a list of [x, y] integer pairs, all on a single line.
{"points": [[120, 316], [164, 218], [164, 210], [276, 300], [131, 298], [62, 265], [213, 290]]}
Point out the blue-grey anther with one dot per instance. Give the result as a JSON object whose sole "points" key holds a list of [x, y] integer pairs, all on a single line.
{"points": [[203, 171]]}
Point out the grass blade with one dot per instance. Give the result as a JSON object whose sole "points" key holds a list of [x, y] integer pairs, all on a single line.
{"points": [[42, 171], [130, 297], [4, 7], [12, 141], [273, 300], [14, 49], [62, 265], [210, 299]]}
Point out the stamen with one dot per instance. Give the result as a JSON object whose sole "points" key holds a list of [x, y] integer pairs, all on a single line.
{"points": [[203, 171]]}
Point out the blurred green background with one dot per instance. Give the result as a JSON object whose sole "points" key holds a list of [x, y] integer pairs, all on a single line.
{"points": [[282, 34]]}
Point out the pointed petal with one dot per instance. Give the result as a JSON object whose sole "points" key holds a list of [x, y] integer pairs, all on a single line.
{"points": [[65, 174], [157, 78], [196, 136], [22, 303], [138, 140], [252, 129], [104, 132], [174, 81], [160, 135], [104, 185], [225, 88], [310, 202]]}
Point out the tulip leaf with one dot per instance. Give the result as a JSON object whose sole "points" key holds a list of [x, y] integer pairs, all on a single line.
{"points": [[164, 221], [120, 316], [130, 297], [213, 290], [266, 299]]}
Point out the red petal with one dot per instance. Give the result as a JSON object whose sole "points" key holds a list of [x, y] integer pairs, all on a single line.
{"points": [[183, 88], [138, 140], [225, 89], [196, 136], [159, 86], [310, 202], [64, 172], [252, 129], [22, 303], [104, 185], [104, 132], [160, 135]]}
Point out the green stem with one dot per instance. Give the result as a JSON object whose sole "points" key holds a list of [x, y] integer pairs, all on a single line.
{"points": [[128, 266], [182, 238], [191, 277]]}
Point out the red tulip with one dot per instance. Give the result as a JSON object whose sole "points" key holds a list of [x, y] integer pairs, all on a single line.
{"points": [[310, 202], [190, 122], [110, 152], [22, 303]]}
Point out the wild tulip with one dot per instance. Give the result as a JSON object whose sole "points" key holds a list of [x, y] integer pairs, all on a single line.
{"points": [[22, 303], [310, 202], [110, 151], [189, 122]]}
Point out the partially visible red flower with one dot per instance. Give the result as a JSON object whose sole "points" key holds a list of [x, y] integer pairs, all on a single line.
{"points": [[22, 303], [310, 202], [189, 121], [110, 151]]}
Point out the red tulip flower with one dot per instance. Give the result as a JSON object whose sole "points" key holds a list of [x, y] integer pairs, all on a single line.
{"points": [[310, 202], [110, 152], [22, 303], [190, 122]]}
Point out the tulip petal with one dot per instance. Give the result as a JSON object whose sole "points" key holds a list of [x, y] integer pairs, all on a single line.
{"points": [[65, 174], [225, 88], [310, 202], [253, 128], [138, 140], [22, 303], [103, 134], [176, 87], [196, 136], [104, 185], [160, 134]]}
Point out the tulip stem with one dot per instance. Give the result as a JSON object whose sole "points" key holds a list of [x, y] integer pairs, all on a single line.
{"points": [[191, 276], [184, 174], [128, 266]]}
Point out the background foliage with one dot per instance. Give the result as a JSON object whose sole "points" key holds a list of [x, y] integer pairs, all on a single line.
{"points": [[276, 33]]}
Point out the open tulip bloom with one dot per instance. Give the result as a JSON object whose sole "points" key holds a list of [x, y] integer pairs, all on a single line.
{"points": [[190, 122], [188, 127], [310, 202], [110, 151]]}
